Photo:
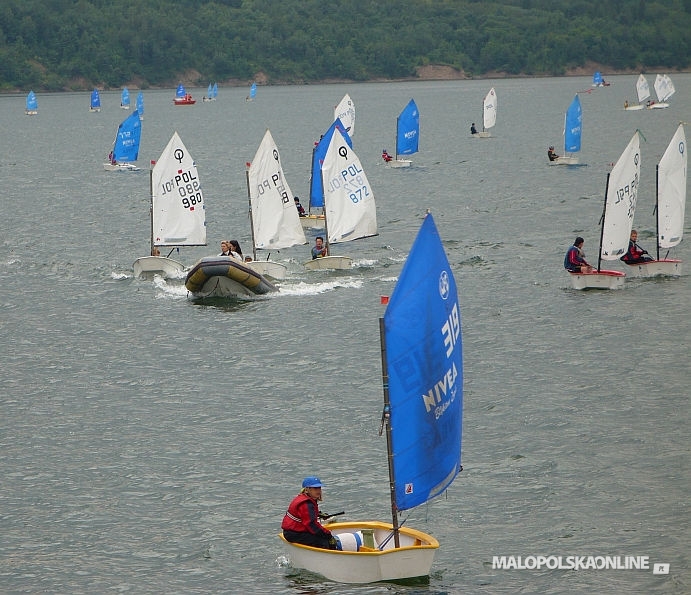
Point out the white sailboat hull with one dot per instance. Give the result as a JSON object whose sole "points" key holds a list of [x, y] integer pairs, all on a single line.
{"points": [[633, 108], [483, 134], [157, 265], [338, 263], [604, 279], [268, 268], [397, 163], [658, 105], [412, 559], [312, 222], [565, 160], [655, 268], [120, 167]]}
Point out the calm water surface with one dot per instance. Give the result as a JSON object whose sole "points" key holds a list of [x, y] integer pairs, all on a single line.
{"points": [[149, 443]]}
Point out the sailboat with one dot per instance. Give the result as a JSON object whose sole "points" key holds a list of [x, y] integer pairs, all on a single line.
{"points": [[670, 204], [95, 103], [315, 216], [407, 135], [422, 377], [573, 129], [253, 92], [489, 114], [126, 145], [643, 93], [664, 89], [31, 104], [345, 112], [178, 216], [125, 98], [140, 104], [274, 220], [349, 209], [598, 80], [617, 219], [182, 97], [211, 93]]}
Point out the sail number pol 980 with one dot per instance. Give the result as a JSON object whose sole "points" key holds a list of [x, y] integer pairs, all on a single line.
{"points": [[188, 188]]}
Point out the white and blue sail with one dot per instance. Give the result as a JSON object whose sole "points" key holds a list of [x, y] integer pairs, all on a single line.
{"points": [[318, 153], [95, 104], [31, 104], [573, 126], [253, 91], [423, 369], [598, 81], [180, 92], [125, 98], [128, 138], [345, 112], [408, 130], [140, 104]]}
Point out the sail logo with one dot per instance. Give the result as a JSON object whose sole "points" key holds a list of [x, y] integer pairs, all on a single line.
{"points": [[451, 330], [410, 134], [444, 285], [445, 388]]}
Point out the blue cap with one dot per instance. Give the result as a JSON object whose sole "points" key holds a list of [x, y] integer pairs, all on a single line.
{"points": [[312, 482]]}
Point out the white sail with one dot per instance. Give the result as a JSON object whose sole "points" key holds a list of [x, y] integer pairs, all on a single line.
{"points": [[275, 220], [178, 209], [345, 111], [642, 88], [490, 109], [671, 191], [664, 87], [620, 204], [348, 197]]}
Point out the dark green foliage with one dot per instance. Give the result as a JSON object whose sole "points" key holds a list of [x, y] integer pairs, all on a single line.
{"points": [[52, 44]]}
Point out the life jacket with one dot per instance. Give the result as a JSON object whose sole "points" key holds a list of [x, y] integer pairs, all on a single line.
{"points": [[297, 515]]}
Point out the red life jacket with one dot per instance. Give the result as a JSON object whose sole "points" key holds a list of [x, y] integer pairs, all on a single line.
{"points": [[297, 517]]}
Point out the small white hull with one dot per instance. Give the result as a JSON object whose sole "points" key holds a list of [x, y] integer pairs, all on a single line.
{"points": [[120, 167], [31, 112], [483, 134], [412, 559], [398, 163], [655, 268], [565, 160], [337, 263], [157, 265], [312, 222], [603, 279], [124, 107], [268, 268], [94, 109], [659, 105], [633, 108]]}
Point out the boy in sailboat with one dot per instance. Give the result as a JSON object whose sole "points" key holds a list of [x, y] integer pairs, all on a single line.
{"points": [[473, 130], [574, 261], [551, 154], [301, 521], [300, 208], [635, 253], [385, 155], [318, 250]]}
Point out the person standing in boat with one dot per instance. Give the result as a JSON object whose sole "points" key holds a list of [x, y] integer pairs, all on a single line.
{"points": [[473, 130], [301, 521], [318, 250], [385, 156], [551, 154], [574, 261], [300, 208], [635, 253]]}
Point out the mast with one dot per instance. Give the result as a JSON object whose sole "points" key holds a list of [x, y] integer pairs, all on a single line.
{"points": [[657, 210], [398, 119], [326, 225], [602, 225], [386, 420], [151, 204], [249, 200]]}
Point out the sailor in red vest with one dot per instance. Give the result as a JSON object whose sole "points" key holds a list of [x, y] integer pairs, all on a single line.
{"points": [[301, 521]]}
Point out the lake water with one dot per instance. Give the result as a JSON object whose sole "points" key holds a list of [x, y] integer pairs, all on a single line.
{"points": [[149, 443]]}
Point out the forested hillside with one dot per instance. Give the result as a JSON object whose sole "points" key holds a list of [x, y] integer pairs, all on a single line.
{"points": [[72, 44]]}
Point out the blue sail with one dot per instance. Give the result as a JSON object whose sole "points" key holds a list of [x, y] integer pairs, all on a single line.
{"points": [[573, 127], [125, 98], [140, 104], [408, 130], [210, 91], [253, 91], [318, 154], [214, 91], [95, 99], [127, 140], [597, 78], [180, 91], [31, 102], [424, 362]]}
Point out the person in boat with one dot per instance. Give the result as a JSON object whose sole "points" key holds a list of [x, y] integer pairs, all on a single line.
{"points": [[225, 249], [473, 130], [318, 250], [635, 254], [111, 158], [301, 521], [155, 251], [626, 104], [551, 154], [574, 261], [235, 250], [385, 156], [300, 208]]}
